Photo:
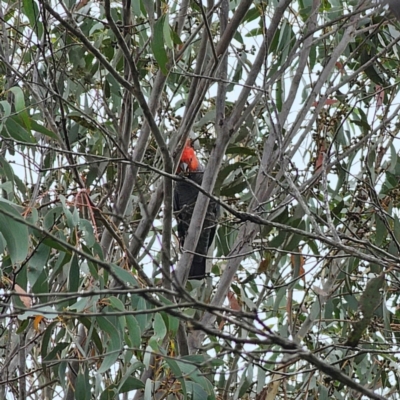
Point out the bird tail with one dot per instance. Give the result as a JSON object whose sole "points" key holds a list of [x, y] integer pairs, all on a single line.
{"points": [[198, 268]]}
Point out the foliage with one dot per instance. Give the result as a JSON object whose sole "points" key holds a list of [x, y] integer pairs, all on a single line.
{"points": [[295, 109]]}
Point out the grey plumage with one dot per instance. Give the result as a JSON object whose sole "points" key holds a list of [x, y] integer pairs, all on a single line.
{"points": [[185, 197]]}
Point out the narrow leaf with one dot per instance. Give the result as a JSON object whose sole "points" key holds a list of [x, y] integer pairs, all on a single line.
{"points": [[15, 130], [157, 45], [15, 233]]}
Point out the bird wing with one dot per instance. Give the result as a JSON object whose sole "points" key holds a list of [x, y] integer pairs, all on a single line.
{"points": [[185, 197], [184, 201]]}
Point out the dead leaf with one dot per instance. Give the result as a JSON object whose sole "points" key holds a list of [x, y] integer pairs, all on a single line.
{"points": [[380, 96], [37, 320], [320, 156], [328, 102], [27, 301], [263, 394], [81, 4], [265, 262], [233, 302], [319, 291], [234, 305], [298, 258], [340, 67]]}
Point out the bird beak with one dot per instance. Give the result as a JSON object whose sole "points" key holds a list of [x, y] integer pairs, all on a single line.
{"points": [[183, 167]]}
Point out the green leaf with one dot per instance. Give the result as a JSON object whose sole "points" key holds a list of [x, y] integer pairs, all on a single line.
{"points": [[254, 32], [131, 383], [38, 262], [72, 217], [173, 324], [55, 245], [160, 331], [94, 337], [15, 233], [19, 101], [87, 229], [279, 94], [305, 7], [3, 243], [175, 37], [197, 391], [323, 393], [142, 319], [134, 331], [313, 56], [241, 150], [13, 129], [7, 187], [372, 297], [147, 356], [381, 231], [252, 14], [369, 301], [109, 392], [59, 347], [114, 346], [396, 228], [177, 373], [19, 104], [7, 171], [83, 387], [157, 45], [167, 33], [6, 108], [31, 10], [62, 375], [47, 335], [116, 303], [98, 26], [46, 311], [73, 276], [193, 372], [41, 129], [124, 275], [244, 386], [52, 217], [136, 8]]}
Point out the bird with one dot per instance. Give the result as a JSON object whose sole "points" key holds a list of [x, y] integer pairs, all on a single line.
{"points": [[185, 197]]}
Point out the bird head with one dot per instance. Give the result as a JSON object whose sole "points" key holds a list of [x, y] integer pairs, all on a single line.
{"points": [[189, 161]]}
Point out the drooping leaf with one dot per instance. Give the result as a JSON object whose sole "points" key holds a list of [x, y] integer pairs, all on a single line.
{"points": [[114, 344], [14, 129], [157, 45], [14, 232], [369, 301], [32, 12]]}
